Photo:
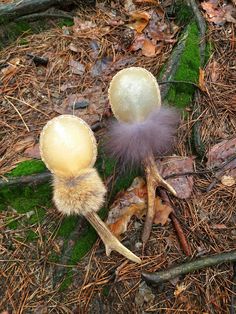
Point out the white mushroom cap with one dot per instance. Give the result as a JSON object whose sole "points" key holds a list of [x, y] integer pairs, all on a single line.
{"points": [[134, 94], [67, 145]]}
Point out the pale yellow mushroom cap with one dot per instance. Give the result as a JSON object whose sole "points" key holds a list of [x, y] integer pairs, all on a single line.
{"points": [[67, 145], [133, 94]]}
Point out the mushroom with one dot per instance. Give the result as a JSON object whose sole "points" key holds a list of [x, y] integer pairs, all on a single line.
{"points": [[144, 129], [69, 150]]}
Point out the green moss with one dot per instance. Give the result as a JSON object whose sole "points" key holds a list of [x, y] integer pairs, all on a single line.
{"points": [[31, 236], [83, 245], [180, 94], [16, 29], [209, 51], [67, 281], [27, 199], [66, 22], [67, 226], [183, 12], [23, 42], [28, 167], [105, 291], [12, 224]]}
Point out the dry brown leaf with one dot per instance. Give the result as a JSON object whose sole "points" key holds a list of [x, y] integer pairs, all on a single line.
{"points": [[162, 212], [148, 49], [183, 185], [201, 81], [213, 69], [141, 19], [221, 152], [24, 143], [138, 42], [77, 67], [218, 15], [33, 152], [127, 204]]}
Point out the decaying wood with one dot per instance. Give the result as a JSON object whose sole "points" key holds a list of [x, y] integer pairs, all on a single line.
{"points": [[165, 275]]}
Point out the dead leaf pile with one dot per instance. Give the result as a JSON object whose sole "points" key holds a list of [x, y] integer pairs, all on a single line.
{"points": [[219, 15], [151, 31]]}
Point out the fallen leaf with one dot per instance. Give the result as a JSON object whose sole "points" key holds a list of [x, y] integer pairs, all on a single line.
{"points": [[148, 49], [183, 185], [201, 81], [213, 68], [220, 152], [162, 212], [218, 15], [179, 289], [101, 66], [33, 152], [141, 19], [227, 180], [127, 204], [77, 67], [24, 143]]}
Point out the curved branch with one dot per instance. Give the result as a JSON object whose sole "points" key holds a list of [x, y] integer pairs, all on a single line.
{"points": [[165, 275]]}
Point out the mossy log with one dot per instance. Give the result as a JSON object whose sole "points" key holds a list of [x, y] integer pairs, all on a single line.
{"points": [[11, 11]]}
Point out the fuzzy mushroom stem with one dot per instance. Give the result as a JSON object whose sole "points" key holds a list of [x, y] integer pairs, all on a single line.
{"points": [[154, 179], [110, 241]]}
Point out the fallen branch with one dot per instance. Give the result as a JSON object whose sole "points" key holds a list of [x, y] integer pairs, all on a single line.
{"points": [[35, 179], [165, 275], [177, 226]]}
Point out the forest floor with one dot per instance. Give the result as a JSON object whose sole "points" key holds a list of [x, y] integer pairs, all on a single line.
{"points": [[53, 264]]}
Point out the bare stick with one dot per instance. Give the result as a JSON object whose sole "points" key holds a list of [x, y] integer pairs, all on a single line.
{"points": [[168, 274], [31, 179], [177, 226]]}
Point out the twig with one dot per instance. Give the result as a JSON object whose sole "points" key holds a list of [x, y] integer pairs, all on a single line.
{"points": [[177, 226], [26, 126], [44, 15], [181, 236], [165, 275], [37, 178]]}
